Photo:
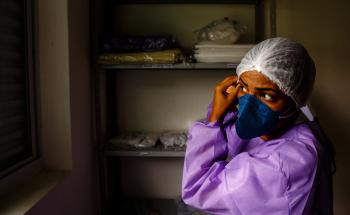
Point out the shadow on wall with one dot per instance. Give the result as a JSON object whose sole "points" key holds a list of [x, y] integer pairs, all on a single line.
{"points": [[337, 127]]}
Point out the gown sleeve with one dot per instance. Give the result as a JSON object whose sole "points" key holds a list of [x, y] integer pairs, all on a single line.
{"points": [[241, 186]]}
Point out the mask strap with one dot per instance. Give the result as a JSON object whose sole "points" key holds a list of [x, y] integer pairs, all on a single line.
{"points": [[288, 115], [307, 112]]}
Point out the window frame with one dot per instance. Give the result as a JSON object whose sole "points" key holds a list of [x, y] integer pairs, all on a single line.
{"points": [[31, 92]]}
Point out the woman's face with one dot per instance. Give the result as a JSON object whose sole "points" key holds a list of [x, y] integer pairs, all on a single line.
{"points": [[258, 85]]}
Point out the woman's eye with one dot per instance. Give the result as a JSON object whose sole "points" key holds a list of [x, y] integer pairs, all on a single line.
{"points": [[244, 89], [267, 97]]}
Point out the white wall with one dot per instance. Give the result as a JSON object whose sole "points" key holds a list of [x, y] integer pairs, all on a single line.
{"points": [[164, 99], [55, 130]]}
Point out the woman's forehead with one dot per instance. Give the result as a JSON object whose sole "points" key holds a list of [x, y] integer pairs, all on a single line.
{"points": [[257, 79]]}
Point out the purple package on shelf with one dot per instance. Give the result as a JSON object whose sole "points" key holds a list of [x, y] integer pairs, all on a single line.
{"points": [[122, 44]]}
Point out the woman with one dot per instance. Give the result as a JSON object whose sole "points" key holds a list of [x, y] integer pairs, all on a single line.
{"points": [[251, 155]]}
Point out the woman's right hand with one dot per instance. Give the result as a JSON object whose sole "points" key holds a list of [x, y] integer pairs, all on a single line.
{"points": [[225, 95]]}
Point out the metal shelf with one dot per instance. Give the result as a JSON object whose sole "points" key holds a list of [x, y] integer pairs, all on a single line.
{"points": [[180, 66], [157, 151], [188, 2]]}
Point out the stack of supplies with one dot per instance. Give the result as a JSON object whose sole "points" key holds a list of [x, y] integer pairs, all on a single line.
{"points": [[136, 139], [160, 49], [173, 139], [211, 53]]}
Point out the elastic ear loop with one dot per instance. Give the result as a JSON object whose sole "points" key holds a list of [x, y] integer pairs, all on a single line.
{"points": [[307, 112], [288, 115]]}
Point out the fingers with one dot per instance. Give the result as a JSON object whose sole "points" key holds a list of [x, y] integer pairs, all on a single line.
{"points": [[225, 94], [232, 93], [227, 82], [230, 89]]}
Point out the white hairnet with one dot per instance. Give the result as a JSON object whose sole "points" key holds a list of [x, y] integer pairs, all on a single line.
{"points": [[286, 63]]}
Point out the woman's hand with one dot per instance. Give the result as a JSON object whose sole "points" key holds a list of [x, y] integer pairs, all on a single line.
{"points": [[225, 95]]}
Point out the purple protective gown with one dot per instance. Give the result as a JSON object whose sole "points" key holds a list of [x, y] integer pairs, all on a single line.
{"points": [[224, 174]]}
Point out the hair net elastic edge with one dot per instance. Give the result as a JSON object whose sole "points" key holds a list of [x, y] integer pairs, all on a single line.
{"points": [[285, 91]]}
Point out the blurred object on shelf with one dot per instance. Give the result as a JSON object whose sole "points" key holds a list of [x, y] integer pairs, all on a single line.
{"points": [[221, 53], [161, 57], [173, 138], [221, 31], [168, 139], [134, 43], [183, 209], [136, 139]]}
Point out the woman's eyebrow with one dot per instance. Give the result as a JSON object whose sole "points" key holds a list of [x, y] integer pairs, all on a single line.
{"points": [[267, 89], [261, 88], [243, 82]]}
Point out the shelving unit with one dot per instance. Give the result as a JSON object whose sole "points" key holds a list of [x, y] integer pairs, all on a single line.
{"points": [[192, 66], [112, 157], [157, 151]]}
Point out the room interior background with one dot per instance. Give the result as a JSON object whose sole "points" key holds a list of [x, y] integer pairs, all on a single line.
{"points": [[322, 26]]}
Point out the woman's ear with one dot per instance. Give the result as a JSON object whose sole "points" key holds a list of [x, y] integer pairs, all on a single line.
{"points": [[290, 110]]}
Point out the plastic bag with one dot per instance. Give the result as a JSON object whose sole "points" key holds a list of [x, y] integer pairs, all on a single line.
{"points": [[173, 139], [170, 56], [222, 31], [135, 140]]}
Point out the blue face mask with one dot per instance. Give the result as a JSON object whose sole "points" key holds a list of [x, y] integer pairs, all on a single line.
{"points": [[255, 118]]}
